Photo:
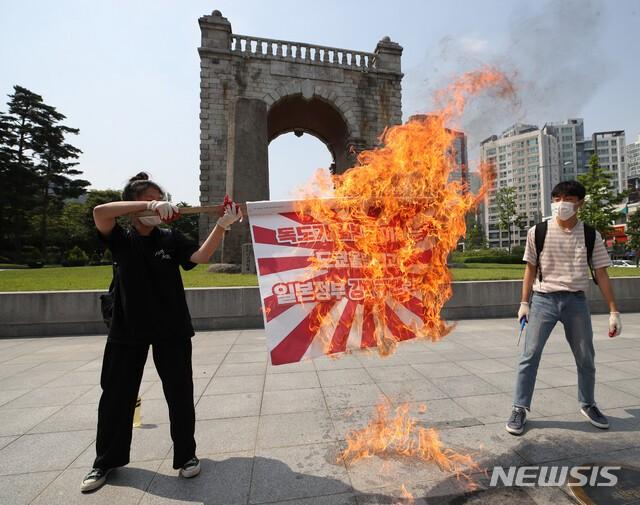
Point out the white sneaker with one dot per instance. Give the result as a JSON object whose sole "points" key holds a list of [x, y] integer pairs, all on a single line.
{"points": [[190, 469], [95, 479]]}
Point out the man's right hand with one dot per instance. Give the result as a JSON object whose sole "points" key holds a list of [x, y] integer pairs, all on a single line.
{"points": [[523, 312]]}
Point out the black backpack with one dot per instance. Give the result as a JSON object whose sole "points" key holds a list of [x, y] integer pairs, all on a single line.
{"points": [[589, 241]]}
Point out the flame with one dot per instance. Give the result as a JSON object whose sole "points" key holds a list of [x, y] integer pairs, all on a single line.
{"points": [[403, 217], [406, 495], [400, 435]]}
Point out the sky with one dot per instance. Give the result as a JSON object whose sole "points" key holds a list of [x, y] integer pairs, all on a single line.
{"points": [[126, 73]]}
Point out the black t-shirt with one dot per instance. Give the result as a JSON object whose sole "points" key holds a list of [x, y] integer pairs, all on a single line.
{"points": [[149, 301]]}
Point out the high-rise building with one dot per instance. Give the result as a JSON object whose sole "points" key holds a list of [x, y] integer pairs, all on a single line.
{"points": [[632, 163], [527, 159], [458, 152], [570, 138], [610, 147]]}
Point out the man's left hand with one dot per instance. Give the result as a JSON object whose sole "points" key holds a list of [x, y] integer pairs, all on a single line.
{"points": [[615, 324]]}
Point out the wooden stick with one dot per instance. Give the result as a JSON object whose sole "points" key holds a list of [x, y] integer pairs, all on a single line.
{"points": [[216, 210]]}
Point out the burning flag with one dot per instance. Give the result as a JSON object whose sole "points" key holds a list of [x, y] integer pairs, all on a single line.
{"points": [[367, 268]]}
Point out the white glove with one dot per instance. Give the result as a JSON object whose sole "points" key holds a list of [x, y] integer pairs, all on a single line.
{"points": [[615, 324], [164, 209], [232, 213], [523, 312]]}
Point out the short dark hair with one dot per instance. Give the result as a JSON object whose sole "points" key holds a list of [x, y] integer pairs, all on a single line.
{"points": [[137, 185], [569, 188]]}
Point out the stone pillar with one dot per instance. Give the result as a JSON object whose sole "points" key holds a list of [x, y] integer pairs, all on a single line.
{"points": [[216, 33], [389, 56], [215, 73], [247, 166]]}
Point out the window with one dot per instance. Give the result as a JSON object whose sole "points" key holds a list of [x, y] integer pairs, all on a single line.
{"points": [[567, 138]]}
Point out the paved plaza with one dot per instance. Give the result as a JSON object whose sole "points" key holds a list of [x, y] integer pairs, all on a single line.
{"points": [[273, 434]]}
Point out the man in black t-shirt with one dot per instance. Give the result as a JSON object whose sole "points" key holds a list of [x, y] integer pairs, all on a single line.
{"points": [[149, 309]]}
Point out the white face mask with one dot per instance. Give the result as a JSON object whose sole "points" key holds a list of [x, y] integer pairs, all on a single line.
{"points": [[563, 210], [150, 220]]}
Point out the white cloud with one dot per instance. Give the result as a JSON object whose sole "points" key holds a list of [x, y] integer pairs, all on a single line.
{"points": [[473, 44]]}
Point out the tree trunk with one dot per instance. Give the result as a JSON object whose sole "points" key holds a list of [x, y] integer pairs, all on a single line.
{"points": [[45, 211]]}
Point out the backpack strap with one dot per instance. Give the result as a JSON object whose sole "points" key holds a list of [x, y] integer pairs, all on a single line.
{"points": [[540, 234], [590, 242]]}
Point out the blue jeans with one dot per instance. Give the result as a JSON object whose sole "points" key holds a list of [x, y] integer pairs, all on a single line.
{"points": [[572, 310]]}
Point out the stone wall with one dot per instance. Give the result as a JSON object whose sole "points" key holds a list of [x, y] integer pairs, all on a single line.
{"points": [[78, 312]]}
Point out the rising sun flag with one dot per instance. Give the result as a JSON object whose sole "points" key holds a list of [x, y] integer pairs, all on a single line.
{"points": [[367, 268]]}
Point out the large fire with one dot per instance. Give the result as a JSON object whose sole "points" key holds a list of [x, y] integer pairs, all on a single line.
{"points": [[398, 434], [403, 216]]}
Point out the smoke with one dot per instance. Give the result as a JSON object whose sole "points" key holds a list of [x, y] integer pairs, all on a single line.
{"points": [[550, 53]]}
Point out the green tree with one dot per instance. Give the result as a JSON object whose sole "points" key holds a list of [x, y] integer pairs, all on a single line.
{"points": [[18, 179], [599, 208], [474, 237], [507, 215], [187, 224], [633, 234], [56, 165]]}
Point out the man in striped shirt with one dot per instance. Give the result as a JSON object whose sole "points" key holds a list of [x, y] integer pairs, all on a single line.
{"points": [[559, 278]]}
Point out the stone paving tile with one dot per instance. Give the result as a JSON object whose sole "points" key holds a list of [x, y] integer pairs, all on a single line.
{"points": [[69, 418], [440, 369], [27, 380], [553, 401], [8, 395], [608, 372], [291, 380], [233, 405], [411, 391], [485, 366], [302, 366], [75, 378], [25, 453], [372, 359], [294, 400], [463, 385], [223, 480], [48, 397], [558, 376], [506, 381], [4, 441], [347, 376], [353, 396], [487, 408], [607, 397], [231, 369], [630, 366], [336, 499], [246, 357], [226, 435], [631, 386], [301, 472], [124, 485], [394, 374], [298, 428], [22, 489], [424, 357], [340, 363], [20, 421], [235, 384]]}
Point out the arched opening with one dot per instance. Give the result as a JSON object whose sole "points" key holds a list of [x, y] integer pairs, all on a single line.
{"points": [[316, 117], [293, 161]]}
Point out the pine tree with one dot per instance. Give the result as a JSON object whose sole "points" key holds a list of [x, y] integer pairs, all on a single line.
{"points": [[599, 208], [35, 166]]}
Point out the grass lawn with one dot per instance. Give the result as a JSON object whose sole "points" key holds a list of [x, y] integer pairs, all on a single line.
{"points": [[69, 278]]}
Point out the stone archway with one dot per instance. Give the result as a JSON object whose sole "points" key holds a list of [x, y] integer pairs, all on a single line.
{"points": [[253, 89], [314, 116]]}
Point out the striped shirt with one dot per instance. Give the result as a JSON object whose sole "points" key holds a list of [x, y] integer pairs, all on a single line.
{"points": [[563, 260]]}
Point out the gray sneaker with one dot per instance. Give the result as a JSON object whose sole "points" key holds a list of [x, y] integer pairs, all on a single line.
{"points": [[95, 479], [191, 468], [597, 418], [515, 424]]}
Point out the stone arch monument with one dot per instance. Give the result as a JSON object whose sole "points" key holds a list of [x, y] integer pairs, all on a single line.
{"points": [[254, 89]]}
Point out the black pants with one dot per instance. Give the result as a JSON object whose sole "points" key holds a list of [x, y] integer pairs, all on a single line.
{"points": [[122, 369]]}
